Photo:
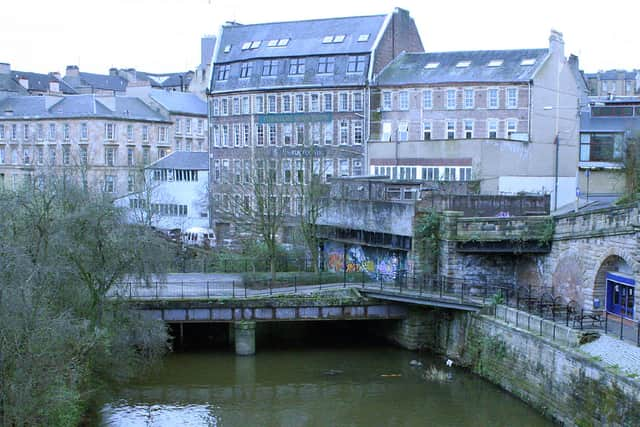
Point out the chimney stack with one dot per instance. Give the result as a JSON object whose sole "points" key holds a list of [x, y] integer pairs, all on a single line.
{"points": [[5, 68], [113, 72], [556, 43], [72, 71], [54, 86]]}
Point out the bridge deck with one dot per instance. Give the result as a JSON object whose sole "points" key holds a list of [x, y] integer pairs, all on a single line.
{"points": [[196, 288]]}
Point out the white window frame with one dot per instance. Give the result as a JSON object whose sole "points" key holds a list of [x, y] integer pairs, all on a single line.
{"points": [[427, 128], [403, 100], [356, 101], [343, 101], [403, 131], [508, 129], [427, 99], [492, 123], [358, 132], [272, 104], [468, 98], [386, 130], [512, 97], [328, 133], [258, 104], [386, 100], [448, 129], [299, 102], [287, 106], [490, 104], [468, 130], [450, 98]]}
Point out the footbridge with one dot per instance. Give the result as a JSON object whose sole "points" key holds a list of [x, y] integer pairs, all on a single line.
{"points": [[223, 298]]}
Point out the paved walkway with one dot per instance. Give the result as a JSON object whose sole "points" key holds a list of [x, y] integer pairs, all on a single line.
{"points": [[615, 352]]}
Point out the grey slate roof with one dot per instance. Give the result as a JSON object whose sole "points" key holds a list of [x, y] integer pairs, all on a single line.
{"points": [[77, 106], [409, 68], [179, 102], [8, 84], [197, 160], [613, 75], [40, 82], [165, 80], [305, 38], [588, 123], [97, 81]]}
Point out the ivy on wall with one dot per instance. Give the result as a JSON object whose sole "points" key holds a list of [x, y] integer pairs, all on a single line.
{"points": [[427, 237]]}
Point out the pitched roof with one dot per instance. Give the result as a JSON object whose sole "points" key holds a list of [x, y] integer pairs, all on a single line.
{"points": [[198, 160], [179, 102], [77, 106], [462, 67], [40, 82], [303, 38], [613, 75], [97, 81], [8, 84], [165, 80]]}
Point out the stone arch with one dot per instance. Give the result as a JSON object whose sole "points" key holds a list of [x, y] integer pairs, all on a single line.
{"points": [[612, 260], [567, 279]]}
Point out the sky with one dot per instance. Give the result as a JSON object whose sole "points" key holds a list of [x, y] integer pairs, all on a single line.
{"points": [[161, 36]]}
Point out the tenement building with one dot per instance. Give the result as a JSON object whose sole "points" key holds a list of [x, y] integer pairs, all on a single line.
{"points": [[288, 99], [103, 141], [506, 118]]}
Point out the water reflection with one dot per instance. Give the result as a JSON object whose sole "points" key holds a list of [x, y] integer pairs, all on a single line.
{"points": [[366, 386]]}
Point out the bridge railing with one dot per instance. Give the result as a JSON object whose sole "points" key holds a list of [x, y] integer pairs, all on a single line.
{"points": [[418, 285], [429, 286]]}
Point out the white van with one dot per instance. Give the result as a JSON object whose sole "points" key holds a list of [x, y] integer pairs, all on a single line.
{"points": [[199, 236]]}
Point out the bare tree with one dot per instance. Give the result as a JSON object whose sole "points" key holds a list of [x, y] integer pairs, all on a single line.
{"points": [[312, 194], [259, 207]]}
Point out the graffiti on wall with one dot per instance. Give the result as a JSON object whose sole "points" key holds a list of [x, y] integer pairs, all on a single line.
{"points": [[376, 261]]}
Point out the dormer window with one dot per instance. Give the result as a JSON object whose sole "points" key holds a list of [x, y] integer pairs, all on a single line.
{"points": [[255, 44], [327, 39], [363, 37], [431, 65], [495, 63], [246, 45], [463, 64], [227, 48], [528, 61], [272, 43], [283, 42]]}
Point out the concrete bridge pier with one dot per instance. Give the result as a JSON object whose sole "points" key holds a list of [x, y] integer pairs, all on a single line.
{"points": [[245, 337]]}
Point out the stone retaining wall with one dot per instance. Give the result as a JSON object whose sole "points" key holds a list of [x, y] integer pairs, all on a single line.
{"points": [[557, 380]]}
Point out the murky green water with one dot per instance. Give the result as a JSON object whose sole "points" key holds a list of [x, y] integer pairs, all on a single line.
{"points": [[362, 386]]}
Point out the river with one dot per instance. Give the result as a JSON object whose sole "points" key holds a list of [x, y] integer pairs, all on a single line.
{"points": [[352, 385]]}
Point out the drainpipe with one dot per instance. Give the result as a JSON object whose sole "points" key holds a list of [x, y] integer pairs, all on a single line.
{"points": [[209, 142]]}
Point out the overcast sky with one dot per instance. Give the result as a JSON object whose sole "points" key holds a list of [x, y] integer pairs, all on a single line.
{"points": [[164, 35]]}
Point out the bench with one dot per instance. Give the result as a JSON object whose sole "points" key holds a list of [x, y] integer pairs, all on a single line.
{"points": [[582, 318]]}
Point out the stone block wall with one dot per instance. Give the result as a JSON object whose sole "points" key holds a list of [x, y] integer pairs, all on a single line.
{"points": [[558, 381]]}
